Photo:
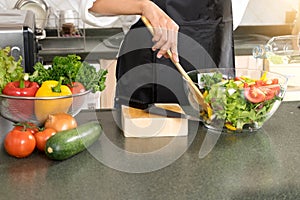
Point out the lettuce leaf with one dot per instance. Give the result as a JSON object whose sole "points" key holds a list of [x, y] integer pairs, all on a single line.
{"points": [[10, 69]]}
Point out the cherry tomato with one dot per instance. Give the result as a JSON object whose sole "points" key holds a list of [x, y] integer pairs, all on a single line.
{"points": [[41, 137], [19, 144], [28, 126], [254, 94]]}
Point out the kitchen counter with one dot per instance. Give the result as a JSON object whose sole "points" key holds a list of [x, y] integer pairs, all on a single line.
{"points": [[261, 165]]}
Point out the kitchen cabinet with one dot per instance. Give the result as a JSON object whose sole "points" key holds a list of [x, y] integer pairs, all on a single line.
{"points": [[261, 165], [108, 95]]}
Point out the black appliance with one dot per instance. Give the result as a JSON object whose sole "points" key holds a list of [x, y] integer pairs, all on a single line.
{"points": [[17, 30]]}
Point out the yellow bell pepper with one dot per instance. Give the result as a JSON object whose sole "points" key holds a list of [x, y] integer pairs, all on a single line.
{"points": [[264, 77], [230, 127], [45, 107], [205, 93]]}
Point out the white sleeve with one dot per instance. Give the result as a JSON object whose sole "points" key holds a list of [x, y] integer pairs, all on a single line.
{"points": [[238, 10], [103, 21]]}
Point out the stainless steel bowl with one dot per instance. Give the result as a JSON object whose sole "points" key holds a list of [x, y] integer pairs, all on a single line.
{"points": [[36, 109]]}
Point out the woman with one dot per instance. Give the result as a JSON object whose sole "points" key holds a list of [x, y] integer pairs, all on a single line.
{"points": [[204, 40]]}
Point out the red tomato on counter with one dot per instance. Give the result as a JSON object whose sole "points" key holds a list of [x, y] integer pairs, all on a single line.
{"points": [[28, 126], [41, 137], [19, 143]]}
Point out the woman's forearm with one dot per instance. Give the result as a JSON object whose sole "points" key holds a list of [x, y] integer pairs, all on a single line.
{"points": [[119, 7], [165, 29]]}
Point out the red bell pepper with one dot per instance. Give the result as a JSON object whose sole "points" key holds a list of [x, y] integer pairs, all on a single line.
{"points": [[22, 110], [21, 88]]}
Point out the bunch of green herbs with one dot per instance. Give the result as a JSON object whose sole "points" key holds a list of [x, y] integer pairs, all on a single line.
{"points": [[72, 69]]}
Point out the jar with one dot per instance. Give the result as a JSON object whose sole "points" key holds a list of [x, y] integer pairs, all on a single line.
{"points": [[69, 22]]}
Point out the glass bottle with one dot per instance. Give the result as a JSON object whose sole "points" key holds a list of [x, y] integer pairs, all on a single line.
{"points": [[284, 49]]}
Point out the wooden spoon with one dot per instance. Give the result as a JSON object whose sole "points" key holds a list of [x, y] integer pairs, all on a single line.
{"points": [[194, 89]]}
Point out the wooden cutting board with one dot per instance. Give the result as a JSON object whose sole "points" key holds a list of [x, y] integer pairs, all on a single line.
{"points": [[138, 123]]}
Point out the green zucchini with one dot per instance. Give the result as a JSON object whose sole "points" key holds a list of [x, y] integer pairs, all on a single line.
{"points": [[68, 143]]}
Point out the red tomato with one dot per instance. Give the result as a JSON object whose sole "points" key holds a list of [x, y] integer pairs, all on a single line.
{"points": [[254, 94], [19, 143], [239, 79], [275, 81], [270, 91], [41, 137], [262, 91], [259, 83], [76, 88], [28, 126]]}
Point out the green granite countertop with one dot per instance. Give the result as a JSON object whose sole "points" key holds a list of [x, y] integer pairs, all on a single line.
{"points": [[261, 165]]}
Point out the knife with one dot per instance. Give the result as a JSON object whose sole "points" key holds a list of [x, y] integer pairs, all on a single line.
{"points": [[153, 109]]}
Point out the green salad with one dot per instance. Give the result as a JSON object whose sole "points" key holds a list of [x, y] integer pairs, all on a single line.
{"points": [[241, 101]]}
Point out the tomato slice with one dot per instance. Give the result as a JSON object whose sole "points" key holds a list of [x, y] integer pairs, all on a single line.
{"points": [[257, 94], [270, 91], [275, 81], [238, 79], [254, 94], [259, 83]]}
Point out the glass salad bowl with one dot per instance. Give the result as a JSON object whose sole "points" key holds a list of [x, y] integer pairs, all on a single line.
{"points": [[37, 109], [241, 100]]}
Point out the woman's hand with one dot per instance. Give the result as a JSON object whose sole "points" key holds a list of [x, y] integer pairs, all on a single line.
{"points": [[165, 30]]}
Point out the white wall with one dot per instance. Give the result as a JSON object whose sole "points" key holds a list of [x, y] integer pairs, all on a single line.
{"points": [[267, 12]]}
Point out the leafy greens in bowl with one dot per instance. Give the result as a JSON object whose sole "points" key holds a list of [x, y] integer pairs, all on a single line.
{"points": [[241, 99], [63, 86]]}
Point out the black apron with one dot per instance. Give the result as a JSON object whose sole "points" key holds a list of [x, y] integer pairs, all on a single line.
{"points": [[205, 40]]}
